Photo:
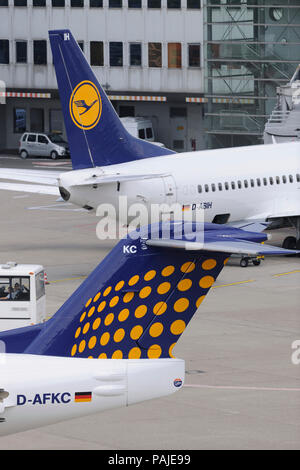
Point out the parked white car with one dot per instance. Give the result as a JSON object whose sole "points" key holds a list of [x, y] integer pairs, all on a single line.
{"points": [[43, 145]]}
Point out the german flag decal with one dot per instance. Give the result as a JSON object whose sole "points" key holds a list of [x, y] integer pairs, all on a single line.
{"points": [[83, 396]]}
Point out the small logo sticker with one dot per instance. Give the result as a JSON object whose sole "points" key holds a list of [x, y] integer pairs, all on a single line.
{"points": [[177, 383]]}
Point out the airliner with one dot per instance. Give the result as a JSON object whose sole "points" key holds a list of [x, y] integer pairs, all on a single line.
{"points": [[111, 344], [234, 185]]}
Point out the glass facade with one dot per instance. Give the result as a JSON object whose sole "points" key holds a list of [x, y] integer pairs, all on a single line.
{"points": [[251, 47]]}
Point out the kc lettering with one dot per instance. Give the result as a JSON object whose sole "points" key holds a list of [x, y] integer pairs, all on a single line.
{"points": [[129, 249]]}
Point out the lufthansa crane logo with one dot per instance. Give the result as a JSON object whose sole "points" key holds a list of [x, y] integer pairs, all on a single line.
{"points": [[85, 105]]}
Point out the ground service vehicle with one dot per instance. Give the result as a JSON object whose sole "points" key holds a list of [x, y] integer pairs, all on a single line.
{"points": [[22, 295], [140, 127]]}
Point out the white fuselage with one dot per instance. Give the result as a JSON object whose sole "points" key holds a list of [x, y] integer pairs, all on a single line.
{"points": [[40, 390], [255, 182]]}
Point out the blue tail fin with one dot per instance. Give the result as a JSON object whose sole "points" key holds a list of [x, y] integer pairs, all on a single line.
{"points": [[95, 133], [141, 297], [135, 304]]}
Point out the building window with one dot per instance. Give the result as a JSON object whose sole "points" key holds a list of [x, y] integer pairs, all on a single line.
{"points": [[194, 55], [20, 3], [195, 4], [4, 51], [115, 4], [21, 52], [174, 55], [58, 3], [96, 3], [3, 3], [116, 54], [178, 112], [77, 3], [135, 54], [173, 3], [36, 120], [19, 120], [96, 53], [126, 111], [154, 3], [134, 3], [39, 3], [154, 54], [40, 52], [81, 45]]}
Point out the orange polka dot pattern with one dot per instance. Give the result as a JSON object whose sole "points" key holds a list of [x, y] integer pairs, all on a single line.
{"points": [[143, 314]]}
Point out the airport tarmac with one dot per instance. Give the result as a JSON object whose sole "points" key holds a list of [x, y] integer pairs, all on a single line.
{"points": [[242, 390]]}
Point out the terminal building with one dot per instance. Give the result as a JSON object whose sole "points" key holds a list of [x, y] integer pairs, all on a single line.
{"points": [[204, 71], [147, 55]]}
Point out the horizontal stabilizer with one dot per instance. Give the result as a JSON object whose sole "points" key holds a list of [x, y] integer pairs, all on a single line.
{"points": [[30, 188], [232, 246], [251, 226], [106, 179], [30, 176], [218, 238]]}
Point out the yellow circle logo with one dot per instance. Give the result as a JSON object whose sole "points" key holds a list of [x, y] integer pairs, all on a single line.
{"points": [[85, 105]]}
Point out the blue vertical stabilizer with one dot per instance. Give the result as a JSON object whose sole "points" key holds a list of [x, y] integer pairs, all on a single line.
{"points": [[95, 133]]}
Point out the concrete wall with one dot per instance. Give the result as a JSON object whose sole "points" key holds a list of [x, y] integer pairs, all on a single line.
{"points": [[106, 24]]}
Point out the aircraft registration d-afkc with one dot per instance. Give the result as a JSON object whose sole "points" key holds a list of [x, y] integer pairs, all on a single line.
{"points": [[111, 343], [256, 183]]}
